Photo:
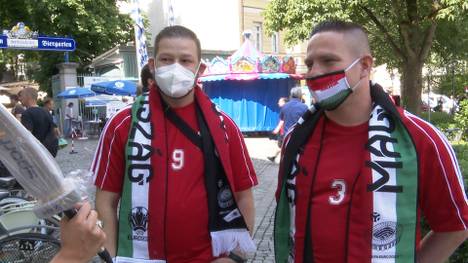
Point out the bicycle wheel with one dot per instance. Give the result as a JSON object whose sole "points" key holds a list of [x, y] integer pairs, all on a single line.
{"points": [[28, 247]]}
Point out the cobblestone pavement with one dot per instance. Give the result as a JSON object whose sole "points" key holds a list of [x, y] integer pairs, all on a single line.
{"points": [[259, 149]]}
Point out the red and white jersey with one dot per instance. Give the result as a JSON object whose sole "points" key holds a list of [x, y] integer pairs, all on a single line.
{"points": [[185, 208], [339, 183]]}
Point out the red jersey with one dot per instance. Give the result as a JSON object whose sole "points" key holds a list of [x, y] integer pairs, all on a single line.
{"points": [[441, 197], [187, 238]]}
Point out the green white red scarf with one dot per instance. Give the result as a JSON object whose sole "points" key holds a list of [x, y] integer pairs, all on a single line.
{"points": [[392, 165], [146, 165]]}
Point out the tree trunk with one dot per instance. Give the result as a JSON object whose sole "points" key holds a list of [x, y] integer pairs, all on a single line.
{"points": [[411, 85]]}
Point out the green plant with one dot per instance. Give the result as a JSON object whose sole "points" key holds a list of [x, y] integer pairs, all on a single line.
{"points": [[461, 119], [461, 150], [439, 119]]}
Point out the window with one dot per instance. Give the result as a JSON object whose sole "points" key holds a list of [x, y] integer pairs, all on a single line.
{"points": [[275, 42], [258, 35]]}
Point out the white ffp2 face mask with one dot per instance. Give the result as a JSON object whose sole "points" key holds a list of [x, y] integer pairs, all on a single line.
{"points": [[174, 80]]}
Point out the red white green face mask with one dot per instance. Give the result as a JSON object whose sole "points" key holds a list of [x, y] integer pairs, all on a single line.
{"points": [[331, 89]]}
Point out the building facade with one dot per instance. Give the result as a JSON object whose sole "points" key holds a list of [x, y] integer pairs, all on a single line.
{"points": [[218, 24]]}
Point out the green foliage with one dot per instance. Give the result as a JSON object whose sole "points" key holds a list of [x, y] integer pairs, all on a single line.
{"points": [[439, 119], [401, 33], [461, 150], [96, 26], [461, 118]]}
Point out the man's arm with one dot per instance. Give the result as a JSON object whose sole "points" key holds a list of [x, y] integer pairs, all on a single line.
{"points": [[278, 127], [438, 246], [245, 202], [106, 205]]}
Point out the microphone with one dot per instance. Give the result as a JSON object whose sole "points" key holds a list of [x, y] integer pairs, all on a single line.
{"points": [[37, 171]]}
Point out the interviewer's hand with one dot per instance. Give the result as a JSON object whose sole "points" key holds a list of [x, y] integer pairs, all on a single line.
{"points": [[81, 237]]}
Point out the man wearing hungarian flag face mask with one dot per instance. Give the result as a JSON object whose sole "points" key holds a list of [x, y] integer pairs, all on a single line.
{"points": [[331, 89], [179, 168], [357, 172]]}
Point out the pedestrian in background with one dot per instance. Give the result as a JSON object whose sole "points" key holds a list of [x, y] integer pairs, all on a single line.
{"points": [[49, 107], [147, 75], [358, 174], [17, 109], [38, 121], [68, 119], [293, 109], [279, 129]]}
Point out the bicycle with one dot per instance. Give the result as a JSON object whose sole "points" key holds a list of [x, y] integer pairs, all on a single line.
{"points": [[23, 236]]}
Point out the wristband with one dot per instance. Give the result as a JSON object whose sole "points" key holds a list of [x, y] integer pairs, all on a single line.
{"points": [[236, 258]]}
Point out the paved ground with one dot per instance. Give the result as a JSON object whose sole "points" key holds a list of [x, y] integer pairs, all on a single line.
{"points": [[259, 149]]}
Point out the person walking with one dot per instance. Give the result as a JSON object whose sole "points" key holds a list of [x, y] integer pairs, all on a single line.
{"points": [[278, 132], [69, 117], [290, 113]]}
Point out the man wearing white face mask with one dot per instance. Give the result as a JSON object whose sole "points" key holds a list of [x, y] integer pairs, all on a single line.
{"points": [[358, 172], [179, 168]]}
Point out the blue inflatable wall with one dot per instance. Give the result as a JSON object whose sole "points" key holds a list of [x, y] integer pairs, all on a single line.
{"points": [[252, 104]]}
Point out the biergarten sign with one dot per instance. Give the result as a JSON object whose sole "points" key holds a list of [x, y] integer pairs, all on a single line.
{"points": [[22, 37]]}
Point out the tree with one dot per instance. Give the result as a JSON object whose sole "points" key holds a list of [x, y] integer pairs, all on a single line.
{"points": [[95, 25], [401, 32]]}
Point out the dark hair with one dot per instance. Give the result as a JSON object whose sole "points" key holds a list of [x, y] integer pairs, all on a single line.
{"points": [[177, 32], [145, 74], [337, 26], [47, 100], [14, 97]]}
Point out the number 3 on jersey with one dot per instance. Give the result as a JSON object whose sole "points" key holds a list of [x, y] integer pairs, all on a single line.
{"points": [[177, 159], [340, 186]]}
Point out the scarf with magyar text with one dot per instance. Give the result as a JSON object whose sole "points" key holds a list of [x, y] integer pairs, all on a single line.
{"points": [[387, 181], [141, 231]]}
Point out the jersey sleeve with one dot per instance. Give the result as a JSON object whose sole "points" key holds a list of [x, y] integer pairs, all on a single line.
{"points": [[108, 165], [242, 167], [442, 197]]}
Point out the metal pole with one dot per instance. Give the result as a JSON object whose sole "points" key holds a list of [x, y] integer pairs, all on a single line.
{"points": [[429, 97], [453, 79]]}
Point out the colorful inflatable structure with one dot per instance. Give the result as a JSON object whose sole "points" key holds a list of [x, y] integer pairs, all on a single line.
{"points": [[247, 86]]}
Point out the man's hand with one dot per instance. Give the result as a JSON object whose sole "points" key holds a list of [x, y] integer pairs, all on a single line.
{"points": [[81, 237], [223, 260]]}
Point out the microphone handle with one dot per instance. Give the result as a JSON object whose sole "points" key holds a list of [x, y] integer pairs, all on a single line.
{"points": [[103, 254]]}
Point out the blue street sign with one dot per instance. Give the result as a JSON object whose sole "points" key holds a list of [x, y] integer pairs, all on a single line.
{"points": [[22, 37], [3, 41], [56, 44], [40, 43]]}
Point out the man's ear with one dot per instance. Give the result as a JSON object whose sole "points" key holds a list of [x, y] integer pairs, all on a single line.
{"points": [[366, 65], [201, 69]]}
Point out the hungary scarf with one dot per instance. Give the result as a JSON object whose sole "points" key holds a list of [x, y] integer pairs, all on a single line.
{"points": [[391, 170], [140, 226]]}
